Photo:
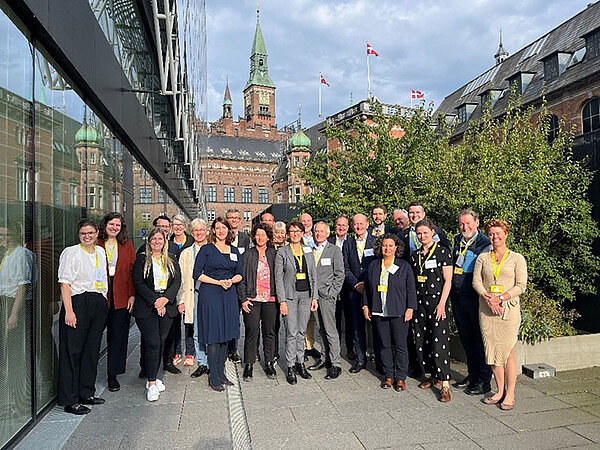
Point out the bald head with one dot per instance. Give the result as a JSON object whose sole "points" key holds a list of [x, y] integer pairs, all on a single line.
{"points": [[307, 221], [360, 224], [268, 219]]}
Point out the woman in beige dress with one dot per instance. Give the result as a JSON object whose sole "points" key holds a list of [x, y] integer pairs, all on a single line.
{"points": [[500, 277]]}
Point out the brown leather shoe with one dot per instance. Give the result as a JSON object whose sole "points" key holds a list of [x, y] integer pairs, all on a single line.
{"points": [[399, 385], [437, 383], [445, 395], [387, 383], [425, 384]]}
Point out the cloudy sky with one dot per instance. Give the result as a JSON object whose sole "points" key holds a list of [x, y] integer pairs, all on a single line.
{"points": [[433, 46]]}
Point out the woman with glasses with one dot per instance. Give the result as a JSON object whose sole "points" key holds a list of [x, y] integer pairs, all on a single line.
{"points": [[83, 278]]}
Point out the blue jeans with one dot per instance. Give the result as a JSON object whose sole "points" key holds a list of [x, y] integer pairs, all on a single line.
{"points": [[201, 358]]}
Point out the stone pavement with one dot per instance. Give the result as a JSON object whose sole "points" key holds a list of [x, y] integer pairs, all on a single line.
{"points": [[350, 412]]}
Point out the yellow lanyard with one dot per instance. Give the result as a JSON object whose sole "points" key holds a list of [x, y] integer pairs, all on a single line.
{"points": [[318, 255], [384, 271], [462, 251], [421, 262], [298, 256], [376, 232], [160, 264], [235, 241], [413, 235], [196, 250], [111, 252], [361, 251], [95, 252], [496, 270]]}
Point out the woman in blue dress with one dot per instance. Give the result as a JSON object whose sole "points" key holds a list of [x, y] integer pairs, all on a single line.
{"points": [[218, 267]]}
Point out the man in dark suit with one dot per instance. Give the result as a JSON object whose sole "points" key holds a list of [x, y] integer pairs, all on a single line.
{"points": [[341, 226], [379, 228], [241, 240], [416, 213], [358, 254]]}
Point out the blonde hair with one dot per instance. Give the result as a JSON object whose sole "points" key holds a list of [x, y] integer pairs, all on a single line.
{"points": [[168, 263]]}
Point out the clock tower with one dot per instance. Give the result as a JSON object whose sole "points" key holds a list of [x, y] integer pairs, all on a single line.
{"points": [[259, 93]]}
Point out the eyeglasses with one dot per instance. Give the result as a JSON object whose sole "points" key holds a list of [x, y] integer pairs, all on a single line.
{"points": [[178, 225]]}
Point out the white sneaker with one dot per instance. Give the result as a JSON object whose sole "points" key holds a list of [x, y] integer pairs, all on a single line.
{"points": [[159, 383], [153, 393]]}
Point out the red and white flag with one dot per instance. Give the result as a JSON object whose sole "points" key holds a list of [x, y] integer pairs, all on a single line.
{"points": [[416, 94], [324, 81], [371, 50]]}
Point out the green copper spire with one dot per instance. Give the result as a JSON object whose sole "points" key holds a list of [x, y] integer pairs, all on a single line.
{"points": [[259, 69]]}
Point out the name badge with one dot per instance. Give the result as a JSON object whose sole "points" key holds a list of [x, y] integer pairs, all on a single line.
{"points": [[393, 269], [458, 270], [382, 288], [325, 261], [421, 278], [162, 282], [99, 285], [98, 274], [497, 288], [369, 252], [233, 257], [300, 276], [111, 270], [307, 249], [431, 264], [460, 260], [241, 250]]}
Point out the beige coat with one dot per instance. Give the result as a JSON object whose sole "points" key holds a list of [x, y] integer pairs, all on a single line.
{"points": [[186, 292]]}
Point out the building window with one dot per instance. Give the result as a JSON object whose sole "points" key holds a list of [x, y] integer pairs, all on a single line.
{"points": [[297, 195], [73, 195], [211, 194], [57, 188], [92, 157], [263, 196], [22, 185], [553, 128], [229, 195], [247, 216], [116, 200], [161, 195], [592, 43], [145, 217], [246, 195], [92, 198], [279, 196], [211, 215], [145, 195], [591, 116]]}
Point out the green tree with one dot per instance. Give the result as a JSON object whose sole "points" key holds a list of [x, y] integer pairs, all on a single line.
{"points": [[503, 169]]}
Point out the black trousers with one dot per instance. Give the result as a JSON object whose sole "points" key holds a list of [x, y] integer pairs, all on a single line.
{"points": [[117, 337], [80, 347], [154, 330], [169, 347], [217, 354], [466, 315], [342, 310], [392, 333], [262, 315], [432, 339]]}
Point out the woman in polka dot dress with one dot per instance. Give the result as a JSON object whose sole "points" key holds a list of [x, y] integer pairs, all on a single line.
{"points": [[432, 265]]}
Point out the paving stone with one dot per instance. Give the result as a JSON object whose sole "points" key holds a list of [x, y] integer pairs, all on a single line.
{"points": [[462, 444], [579, 398], [540, 440], [547, 419], [592, 409], [483, 427], [588, 430], [525, 406]]}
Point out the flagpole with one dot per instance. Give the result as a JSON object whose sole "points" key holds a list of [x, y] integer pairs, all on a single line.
{"points": [[411, 99], [368, 77], [320, 83]]}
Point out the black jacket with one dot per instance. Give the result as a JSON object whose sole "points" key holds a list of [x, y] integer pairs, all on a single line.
{"points": [[247, 287], [355, 269], [145, 295], [462, 284], [405, 236], [401, 292]]}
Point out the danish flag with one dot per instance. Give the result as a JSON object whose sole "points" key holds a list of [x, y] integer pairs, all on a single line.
{"points": [[323, 81], [416, 94], [371, 50]]}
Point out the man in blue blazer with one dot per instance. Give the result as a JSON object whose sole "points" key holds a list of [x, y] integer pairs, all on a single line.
{"points": [[358, 254], [379, 228], [416, 213]]}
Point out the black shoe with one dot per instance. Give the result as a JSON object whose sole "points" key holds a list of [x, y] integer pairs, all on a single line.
{"points": [[312, 352], [234, 357], [270, 370], [291, 376], [318, 365], [351, 355], [357, 368], [248, 372], [464, 383], [77, 409], [201, 370], [219, 388], [171, 368], [142, 374], [226, 382], [474, 389], [91, 401], [333, 373], [113, 384], [301, 370]]}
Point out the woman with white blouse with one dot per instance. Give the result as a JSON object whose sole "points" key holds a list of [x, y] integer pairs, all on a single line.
{"points": [[83, 285]]}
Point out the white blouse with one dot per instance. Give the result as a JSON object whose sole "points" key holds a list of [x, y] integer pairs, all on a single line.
{"points": [[78, 268], [16, 269]]}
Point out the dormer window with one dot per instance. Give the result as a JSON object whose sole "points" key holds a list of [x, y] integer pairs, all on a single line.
{"points": [[522, 80], [490, 95], [465, 111], [555, 65], [592, 44]]}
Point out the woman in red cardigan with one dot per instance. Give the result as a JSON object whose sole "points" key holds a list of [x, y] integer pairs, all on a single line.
{"points": [[120, 255]]}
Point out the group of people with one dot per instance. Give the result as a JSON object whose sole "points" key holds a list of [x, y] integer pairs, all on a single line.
{"points": [[384, 291]]}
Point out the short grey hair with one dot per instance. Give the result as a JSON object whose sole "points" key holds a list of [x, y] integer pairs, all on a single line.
{"points": [[465, 212], [277, 226], [181, 218], [400, 210], [198, 222], [232, 210], [324, 223]]}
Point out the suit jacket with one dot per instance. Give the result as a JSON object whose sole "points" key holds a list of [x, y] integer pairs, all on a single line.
{"points": [[401, 293], [285, 274], [386, 229], [330, 272], [145, 295], [405, 236], [122, 283], [187, 259], [243, 243], [247, 287], [355, 269]]}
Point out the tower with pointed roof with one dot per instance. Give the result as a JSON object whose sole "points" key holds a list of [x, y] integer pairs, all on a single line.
{"points": [[227, 103], [259, 93], [501, 54]]}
